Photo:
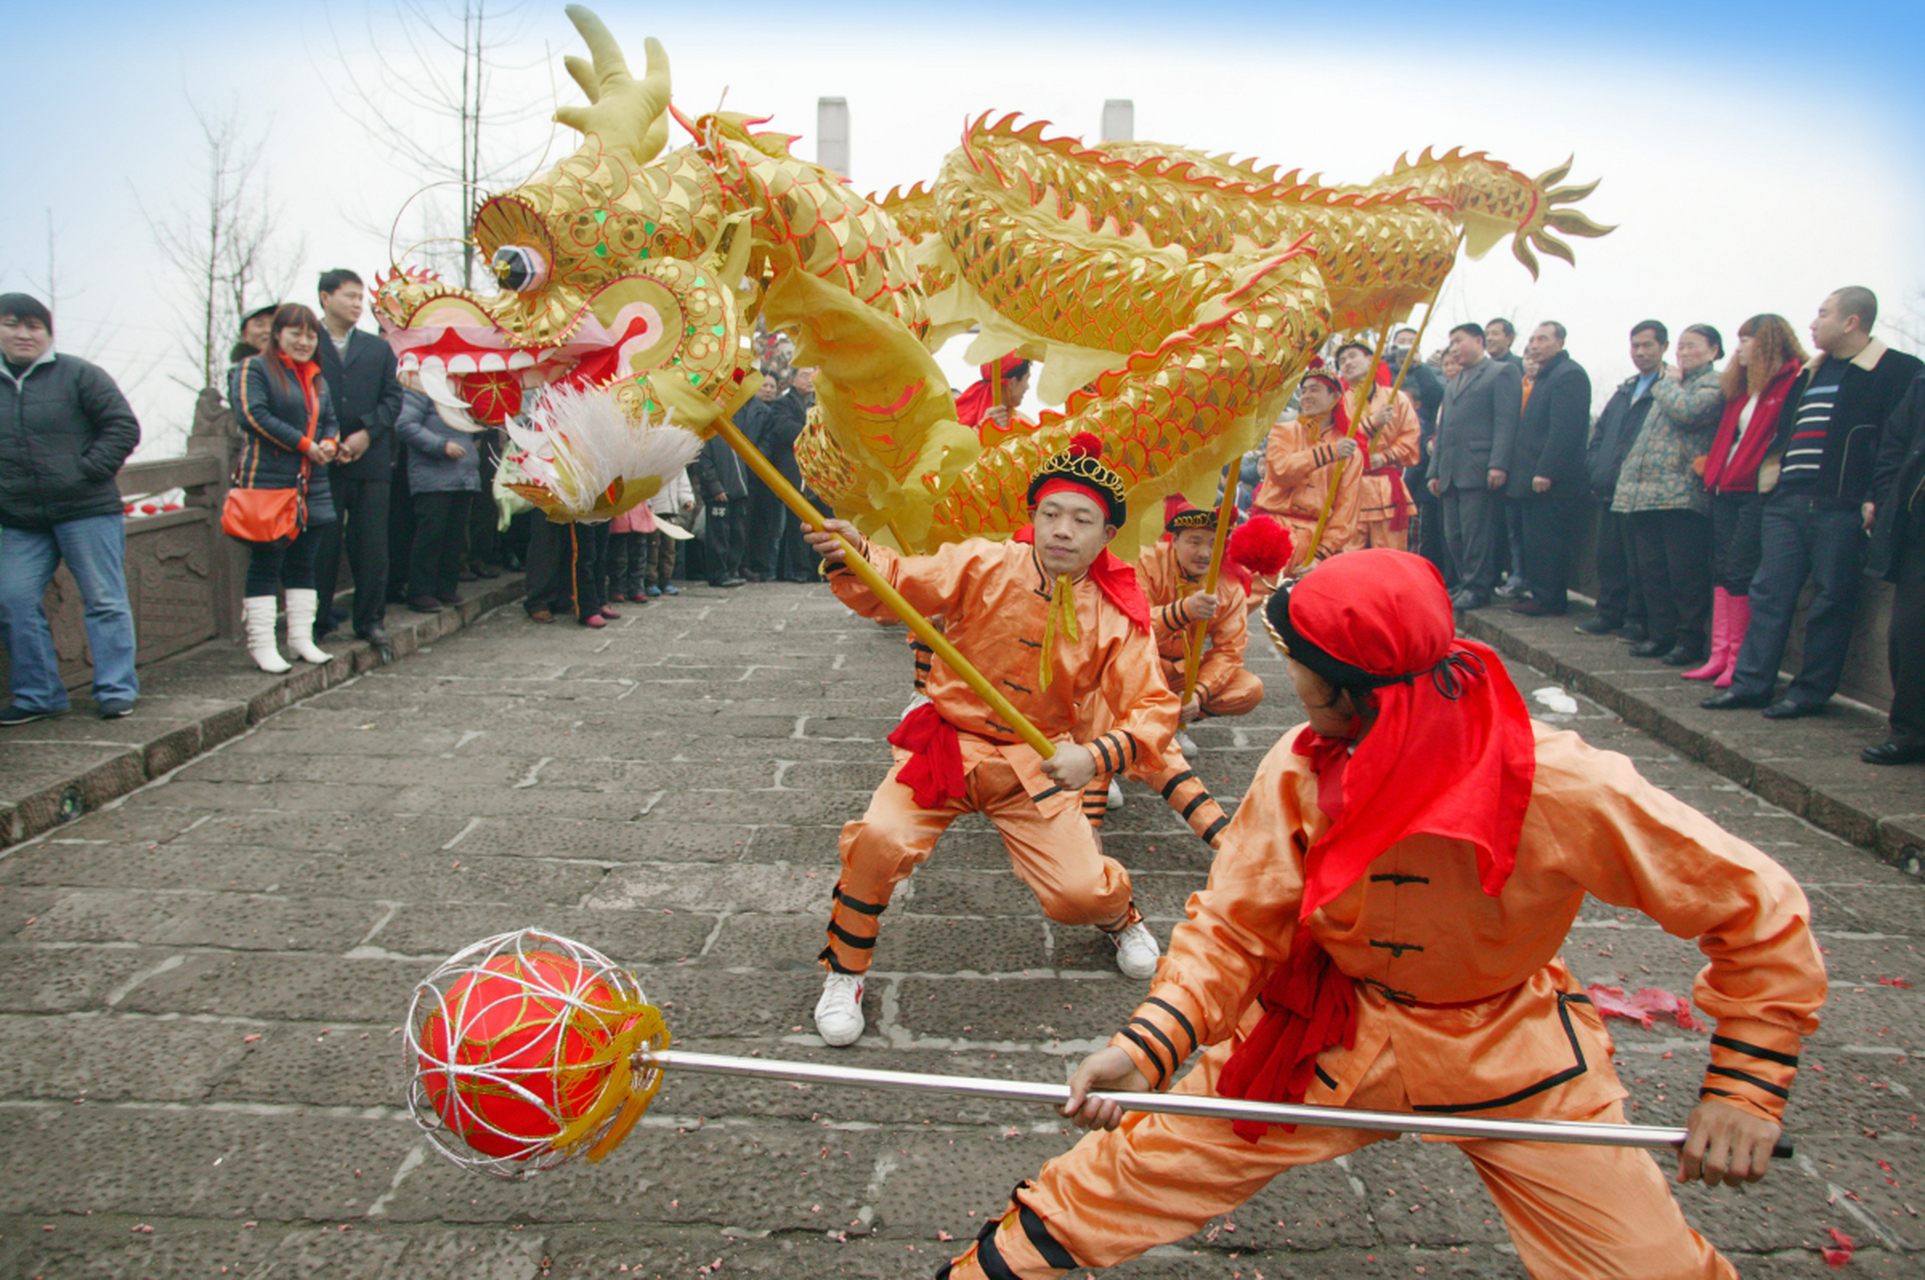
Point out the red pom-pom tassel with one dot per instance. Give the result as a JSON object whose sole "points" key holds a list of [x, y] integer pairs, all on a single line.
{"points": [[1261, 545], [1085, 444]]}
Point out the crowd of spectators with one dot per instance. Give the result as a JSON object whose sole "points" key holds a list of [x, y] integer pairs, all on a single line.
{"points": [[1702, 500]]}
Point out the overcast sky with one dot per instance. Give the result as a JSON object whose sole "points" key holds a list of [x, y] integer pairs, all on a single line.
{"points": [[1754, 156]]}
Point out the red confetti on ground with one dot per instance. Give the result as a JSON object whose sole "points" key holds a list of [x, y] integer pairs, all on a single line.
{"points": [[1894, 982], [1647, 1004], [1842, 1254]]}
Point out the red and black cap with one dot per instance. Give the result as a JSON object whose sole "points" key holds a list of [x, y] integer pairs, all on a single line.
{"points": [[1079, 469]]}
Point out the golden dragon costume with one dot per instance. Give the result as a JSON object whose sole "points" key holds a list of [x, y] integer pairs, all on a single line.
{"points": [[1172, 297]]}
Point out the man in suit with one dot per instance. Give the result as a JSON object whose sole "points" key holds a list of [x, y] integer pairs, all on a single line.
{"points": [[359, 369], [1547, 477], [788, 415], [1426, 389], [1476, 430]]}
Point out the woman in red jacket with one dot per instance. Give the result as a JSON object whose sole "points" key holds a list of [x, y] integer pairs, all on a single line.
{"points": [[1769, 357]]}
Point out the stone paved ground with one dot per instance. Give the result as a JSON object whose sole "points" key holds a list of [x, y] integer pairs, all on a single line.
{"points": [[201, 986]]}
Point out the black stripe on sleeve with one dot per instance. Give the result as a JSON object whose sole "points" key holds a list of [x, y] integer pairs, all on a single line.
{"points": [[1754, 1051], [1176, 1013], [1775, 1091], [1176, 1059], [1202, 798], [1141, 1043], [1216, 829], [1109, 765]]}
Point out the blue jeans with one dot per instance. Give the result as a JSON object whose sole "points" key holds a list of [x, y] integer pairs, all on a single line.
{"points": [[1802, 537], [95, 549]]}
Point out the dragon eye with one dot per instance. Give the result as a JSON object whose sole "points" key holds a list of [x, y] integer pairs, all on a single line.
{"points": [[518, 269]]}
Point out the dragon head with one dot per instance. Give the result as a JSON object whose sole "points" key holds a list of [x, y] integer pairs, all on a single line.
{"points": [[619, 274]]}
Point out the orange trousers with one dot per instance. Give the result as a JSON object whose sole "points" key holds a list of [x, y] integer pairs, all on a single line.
{"points": [[1057, 857], [1574, 1212], [1236, 696], [1378, 533]]}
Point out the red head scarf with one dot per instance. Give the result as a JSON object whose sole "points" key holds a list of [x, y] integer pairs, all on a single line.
{"points": [[974, 404], [1450, 752]]}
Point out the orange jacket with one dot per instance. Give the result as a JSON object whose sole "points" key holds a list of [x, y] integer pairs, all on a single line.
{"points": [[1299, 466], [1519, 1037], [1167, 587], [995, 599], [1396, 445]]}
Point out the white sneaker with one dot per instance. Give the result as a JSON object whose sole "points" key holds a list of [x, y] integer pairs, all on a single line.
{"points": [[838, 1014], [1115, 798], [1136, 952], [1186, 745]]}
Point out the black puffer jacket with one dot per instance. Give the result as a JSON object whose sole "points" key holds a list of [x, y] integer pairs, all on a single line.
{"points": [[274, 415], [64, 431], [1898, 487]]}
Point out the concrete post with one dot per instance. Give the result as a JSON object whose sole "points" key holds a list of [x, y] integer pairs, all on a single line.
{"points": [[832, 134], [1119, 120]]}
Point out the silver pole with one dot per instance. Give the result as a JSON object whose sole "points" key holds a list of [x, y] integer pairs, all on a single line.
{"points": [[1185, 1104]]}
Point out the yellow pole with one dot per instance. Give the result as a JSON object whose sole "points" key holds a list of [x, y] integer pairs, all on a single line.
{"points": [[1363, 402], [924, 631], [1226, 515]]}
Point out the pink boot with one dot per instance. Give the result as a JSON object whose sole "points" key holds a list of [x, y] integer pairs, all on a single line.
{"points": [[1740, 623], [1722, 652]]}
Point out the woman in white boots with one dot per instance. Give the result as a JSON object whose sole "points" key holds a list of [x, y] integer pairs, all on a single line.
{"points": [[291, 434]]}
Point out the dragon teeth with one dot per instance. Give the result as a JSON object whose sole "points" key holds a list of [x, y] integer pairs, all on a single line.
{"points": [[462, 364], [521, 359], [493, 362]]}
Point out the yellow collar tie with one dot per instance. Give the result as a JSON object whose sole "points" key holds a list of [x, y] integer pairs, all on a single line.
{"points": [[1062, 613]]}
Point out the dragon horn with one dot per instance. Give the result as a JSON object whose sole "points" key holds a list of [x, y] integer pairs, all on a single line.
{"points": [[1521, 250], [1543, 180], [1570, 195], [626, 114], [1552, 245], [1571, 222]]}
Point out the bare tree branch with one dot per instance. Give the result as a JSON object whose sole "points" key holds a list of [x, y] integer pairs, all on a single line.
{"points": [[432, 104], [224, 249]]}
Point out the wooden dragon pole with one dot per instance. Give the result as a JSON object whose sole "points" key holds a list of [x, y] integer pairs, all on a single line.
{"points": [[1225, 517]]}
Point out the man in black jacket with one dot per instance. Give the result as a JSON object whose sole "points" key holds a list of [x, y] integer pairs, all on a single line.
{"points": [[1426, 388], [724, 484], [1813, 522], [1896, 518], [65, 429], [359, 369], [1547, 476], [1620, 598], [788, 415]]}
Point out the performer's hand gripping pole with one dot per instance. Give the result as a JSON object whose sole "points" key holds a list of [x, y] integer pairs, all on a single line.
{"points": [[924, 630], [1226, 516]]}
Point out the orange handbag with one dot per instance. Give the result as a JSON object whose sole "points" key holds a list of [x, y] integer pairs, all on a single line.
{"points": [[264, 515], [268, 515]]}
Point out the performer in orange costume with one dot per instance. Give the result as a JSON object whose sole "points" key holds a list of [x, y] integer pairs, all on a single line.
{"points": [[1052, 618], [1171, 573], [1300, 469], [1381, 930], [992, 404], [1385, 505]]}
